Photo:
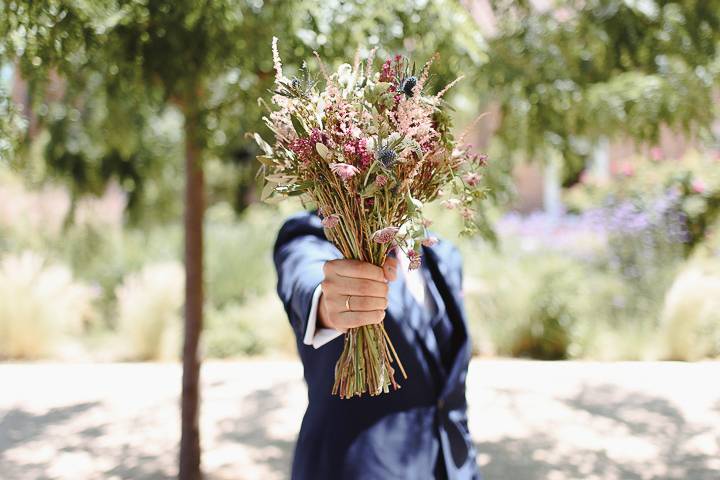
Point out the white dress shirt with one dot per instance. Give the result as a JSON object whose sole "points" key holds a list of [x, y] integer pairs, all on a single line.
{"points": [[317, 337]]}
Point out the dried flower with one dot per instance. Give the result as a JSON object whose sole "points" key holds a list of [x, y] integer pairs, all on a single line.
{"points": [[449, 86], [375, 131], [408, 84], [451, 203], [415, 260], [344, 170], [277, 64], [385, 235], [331, 221], [472, 179], [386, 156], [429, 241]]}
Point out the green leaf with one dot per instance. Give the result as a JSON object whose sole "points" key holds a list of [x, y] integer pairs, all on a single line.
{"points": [[370, 190], [323, 151], [298, 125], [267, 191], [263, 144], [413, 205], [266, 160], [280, 178]]}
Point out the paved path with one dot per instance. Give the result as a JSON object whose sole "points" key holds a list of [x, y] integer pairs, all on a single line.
{"points": [[531, 420]]}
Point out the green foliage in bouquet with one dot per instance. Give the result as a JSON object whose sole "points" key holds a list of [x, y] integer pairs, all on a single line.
{"points": [[369, 149]]}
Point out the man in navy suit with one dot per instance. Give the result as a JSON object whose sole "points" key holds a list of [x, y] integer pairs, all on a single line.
{"points": [[417, 432]]}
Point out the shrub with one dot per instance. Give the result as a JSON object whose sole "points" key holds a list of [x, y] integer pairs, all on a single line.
{"points": [[239, 253], [692, 183], [256, 327], [39, 304], [148, 312], [690, 325], [523, 303]]}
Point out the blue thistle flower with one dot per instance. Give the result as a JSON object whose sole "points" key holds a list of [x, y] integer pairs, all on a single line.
{"points": [[408, 84], [386, 156]]}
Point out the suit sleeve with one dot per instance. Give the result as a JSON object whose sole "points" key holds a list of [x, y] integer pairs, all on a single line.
{"points": [[300, 251]]}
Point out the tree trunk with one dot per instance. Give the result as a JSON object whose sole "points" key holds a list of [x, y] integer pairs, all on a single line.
{"points": [[194, 212]]}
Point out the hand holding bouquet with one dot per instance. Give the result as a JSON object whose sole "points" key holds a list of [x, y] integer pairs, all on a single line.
{"points": [[368, 151]]}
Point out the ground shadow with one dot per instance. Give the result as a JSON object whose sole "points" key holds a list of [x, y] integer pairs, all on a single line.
{"points": [[19, 427], [654, 419], [250, 426]]}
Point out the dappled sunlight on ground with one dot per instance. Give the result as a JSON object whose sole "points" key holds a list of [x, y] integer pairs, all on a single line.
{"points": [[530, 420]]}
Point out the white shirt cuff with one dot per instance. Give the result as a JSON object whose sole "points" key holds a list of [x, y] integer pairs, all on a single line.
{"points": [[317, 337]]}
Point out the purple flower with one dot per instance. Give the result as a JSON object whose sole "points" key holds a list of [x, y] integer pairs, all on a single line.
{"points": [[344, 170], [385, 235]]}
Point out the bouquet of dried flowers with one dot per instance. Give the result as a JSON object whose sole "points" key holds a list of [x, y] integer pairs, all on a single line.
{"points": [[368, 149]]}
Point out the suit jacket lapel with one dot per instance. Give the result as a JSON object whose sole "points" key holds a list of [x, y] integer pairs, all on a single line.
{"points": [[412, 319], [450, 293]]}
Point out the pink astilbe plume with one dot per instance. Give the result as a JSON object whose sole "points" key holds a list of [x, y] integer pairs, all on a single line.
{"points": [[277, 63], [414, 119]]}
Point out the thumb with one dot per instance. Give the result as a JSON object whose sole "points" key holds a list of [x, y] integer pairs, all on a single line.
{"points": [[390, 268]]}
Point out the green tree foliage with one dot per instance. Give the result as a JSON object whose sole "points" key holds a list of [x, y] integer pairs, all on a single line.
{"points": [[603, 68], [130, 71]]}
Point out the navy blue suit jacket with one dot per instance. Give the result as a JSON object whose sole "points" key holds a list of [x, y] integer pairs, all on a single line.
{"points": [[399, 435]]}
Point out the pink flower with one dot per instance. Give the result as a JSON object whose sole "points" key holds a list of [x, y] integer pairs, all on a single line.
{"points": [[472, 179], [414, 258], [426, 222], [656, 153], [698, 186], [303, 148], [429, 241], [381, 180], [467, 213], [482, 159], [626, 169], [330, 221], [450, 203], [344, 170], [385, 235]]}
